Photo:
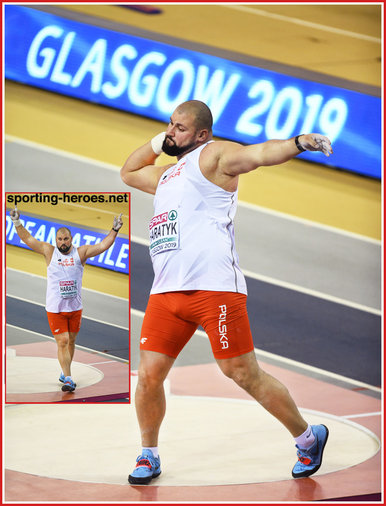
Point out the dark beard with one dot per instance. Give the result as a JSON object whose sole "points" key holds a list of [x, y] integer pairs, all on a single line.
{"points": [[175, 150], [63, 248]]}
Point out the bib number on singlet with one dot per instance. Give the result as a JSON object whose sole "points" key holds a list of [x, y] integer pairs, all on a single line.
{"points": [[68, 289], [164, 232]]}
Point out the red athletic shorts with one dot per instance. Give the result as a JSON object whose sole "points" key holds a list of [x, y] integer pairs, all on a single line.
{"points": [[172, 318], [64, 321]]}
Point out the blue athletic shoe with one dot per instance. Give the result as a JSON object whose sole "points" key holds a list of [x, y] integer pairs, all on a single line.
{"points": [[147, 468], [310, 460], [62, 378], [68, 385]]}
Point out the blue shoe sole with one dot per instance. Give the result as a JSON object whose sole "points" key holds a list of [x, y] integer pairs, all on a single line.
{"points": [[309, 472], [142, 481]]}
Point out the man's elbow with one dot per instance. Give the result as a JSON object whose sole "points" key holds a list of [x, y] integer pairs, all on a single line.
{"points": [[129, 177], [125, 175], [104, 245]]}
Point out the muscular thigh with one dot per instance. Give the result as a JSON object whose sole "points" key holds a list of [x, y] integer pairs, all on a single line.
{"points": [[172, 318], [165, 329], [226, 322]]}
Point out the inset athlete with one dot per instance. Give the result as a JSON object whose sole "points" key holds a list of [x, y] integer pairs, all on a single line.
{"points": [[65, 265], [198, 280]]}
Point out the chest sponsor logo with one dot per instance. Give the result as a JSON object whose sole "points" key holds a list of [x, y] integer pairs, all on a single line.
{"points": [[68, 288]]}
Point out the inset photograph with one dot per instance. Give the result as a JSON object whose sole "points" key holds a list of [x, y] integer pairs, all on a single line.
{"points": [[67, 297]]}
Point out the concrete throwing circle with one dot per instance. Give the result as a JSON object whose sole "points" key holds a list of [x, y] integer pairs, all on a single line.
{"points": [[30, 375], [204, 441]]}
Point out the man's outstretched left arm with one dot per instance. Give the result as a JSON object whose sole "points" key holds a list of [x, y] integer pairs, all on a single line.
{"points": [[237, 159], [91, 250]]}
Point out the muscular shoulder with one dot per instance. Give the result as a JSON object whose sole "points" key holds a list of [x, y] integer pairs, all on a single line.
{"points": [[214, 152], [48, 251], [213, 163], [82, 252]]}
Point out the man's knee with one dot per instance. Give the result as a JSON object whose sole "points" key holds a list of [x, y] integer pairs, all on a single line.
{"points": [[62, 340], [243, 370], [72, 337], [241, 375], [150, 381], [153, 370]]}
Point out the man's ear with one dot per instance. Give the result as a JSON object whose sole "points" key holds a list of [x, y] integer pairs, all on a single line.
{"points": [[203, 135]]}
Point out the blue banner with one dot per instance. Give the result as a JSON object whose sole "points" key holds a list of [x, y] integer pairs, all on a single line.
{"points": [[249, 104], [116, 258]]}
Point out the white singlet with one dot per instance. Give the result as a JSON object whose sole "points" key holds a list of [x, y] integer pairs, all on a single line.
{"points": [[192, 243], [64, 282]]}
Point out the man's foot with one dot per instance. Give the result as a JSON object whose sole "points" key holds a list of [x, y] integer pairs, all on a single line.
{"points": [[310, 460], [68, 385], [147, 468], [62, 378]]}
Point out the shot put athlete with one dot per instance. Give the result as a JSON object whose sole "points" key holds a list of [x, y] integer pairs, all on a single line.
{"points": [[197, 277], [65, 265]]}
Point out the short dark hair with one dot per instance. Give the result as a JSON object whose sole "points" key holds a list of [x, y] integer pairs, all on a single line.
{"points": [[202, 113]]}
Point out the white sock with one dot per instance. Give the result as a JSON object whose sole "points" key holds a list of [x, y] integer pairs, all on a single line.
{"points": [[306, 439], [153, 449]]}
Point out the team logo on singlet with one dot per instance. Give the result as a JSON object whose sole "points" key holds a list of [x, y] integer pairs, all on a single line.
{"points": [[66, 262], [164, 232], [176, 171]]}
